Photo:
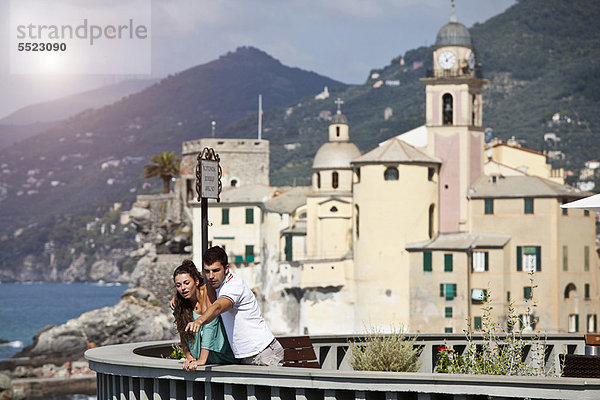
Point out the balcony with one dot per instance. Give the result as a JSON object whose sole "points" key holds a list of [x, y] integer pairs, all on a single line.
{"points": [[137, 371]]}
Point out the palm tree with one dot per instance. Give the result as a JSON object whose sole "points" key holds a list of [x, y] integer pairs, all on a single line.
{"points": [[166, 166]]}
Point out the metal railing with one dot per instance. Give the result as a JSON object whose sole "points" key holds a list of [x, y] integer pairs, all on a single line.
{"points": [[136, 371]]}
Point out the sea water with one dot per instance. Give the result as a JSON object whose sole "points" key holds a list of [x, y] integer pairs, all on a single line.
{"points": [[26, 308]]}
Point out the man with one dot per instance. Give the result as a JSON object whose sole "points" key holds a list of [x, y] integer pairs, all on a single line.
{"points": [[250, 338]]}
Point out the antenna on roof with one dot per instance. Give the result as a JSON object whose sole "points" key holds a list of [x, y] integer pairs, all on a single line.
{"points": [[260, 116]]}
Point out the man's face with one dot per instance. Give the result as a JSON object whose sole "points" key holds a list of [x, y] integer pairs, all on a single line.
{"points": [[215, 273]]}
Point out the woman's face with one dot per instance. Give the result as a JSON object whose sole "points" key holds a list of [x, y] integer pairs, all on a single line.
{"points": [[186, 286]]}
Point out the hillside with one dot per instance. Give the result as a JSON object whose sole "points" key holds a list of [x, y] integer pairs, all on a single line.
{"points": [[82, 165], [541, 59]]}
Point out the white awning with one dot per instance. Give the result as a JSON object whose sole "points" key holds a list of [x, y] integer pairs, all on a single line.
{"points": [[591, 203]]}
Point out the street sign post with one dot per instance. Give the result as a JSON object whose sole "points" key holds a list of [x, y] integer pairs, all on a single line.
{"points": [[208, 186]]}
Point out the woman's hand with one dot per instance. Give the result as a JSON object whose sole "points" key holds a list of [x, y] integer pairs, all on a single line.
{"points": [[191, 365]]}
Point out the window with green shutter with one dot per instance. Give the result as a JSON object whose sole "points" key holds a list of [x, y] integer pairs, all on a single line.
{"points": [[448, 262], [224, 216], [586, 258], [249, 215], [488, 206], [249, 253], [448, 312], [448, 290], [288, 248], [448, 329], [528, 205], [529, 258], [586, 289], [527, 292], [477, 323], [565, 263], [427, 261]]}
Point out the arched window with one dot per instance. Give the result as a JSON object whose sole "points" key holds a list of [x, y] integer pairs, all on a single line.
{"points": [[334, 180], [431, 212], [391, 174], [318, 180], [447, 108], [570, 289]]}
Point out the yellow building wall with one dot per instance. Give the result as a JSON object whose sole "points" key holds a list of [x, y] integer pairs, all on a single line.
{"points": [[390, 214], [548, 228]]}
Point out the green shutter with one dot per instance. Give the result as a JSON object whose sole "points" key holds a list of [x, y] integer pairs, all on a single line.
{"points": [[489, 206], [250, 253], [595, 326], [538, 258], [519, 259], [448, 262], [521, 319], [427, 261], [527, 292], [586, 258], [225, 216], [441, 290], [587, 291], [528, 205], [565, 258], [487, 261], [447, 330], [249, 215], [477, 323], [288, 248], [576, 322], [450, 291], [448, 312]]}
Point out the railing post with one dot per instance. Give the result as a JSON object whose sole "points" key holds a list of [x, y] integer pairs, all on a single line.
{"points": [[360, 396], [207, 391], [250, 392], [329, 395], [300, 394], [227, 391], [275, 393], [189, 390]]}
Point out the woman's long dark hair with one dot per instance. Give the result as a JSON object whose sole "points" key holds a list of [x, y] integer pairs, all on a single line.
{"points": [[184, 308]]}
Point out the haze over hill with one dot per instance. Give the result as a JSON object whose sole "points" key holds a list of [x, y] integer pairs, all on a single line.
{"points": [[541, 58]]}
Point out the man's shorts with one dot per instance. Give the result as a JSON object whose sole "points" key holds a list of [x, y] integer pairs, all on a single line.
{"points": [[272, 356]]}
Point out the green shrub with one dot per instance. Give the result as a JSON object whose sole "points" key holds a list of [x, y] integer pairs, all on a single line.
{"points": [[177, 353], [385, 352], [503, 350]]}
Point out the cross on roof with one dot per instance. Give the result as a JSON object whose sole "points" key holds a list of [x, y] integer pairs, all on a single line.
{"points": [[339, 103]]}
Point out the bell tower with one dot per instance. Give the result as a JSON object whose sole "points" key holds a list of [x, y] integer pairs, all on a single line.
{"points": [[453, 117]]}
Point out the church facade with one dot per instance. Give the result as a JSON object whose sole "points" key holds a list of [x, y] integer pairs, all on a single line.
{"points": [[419, 232]]}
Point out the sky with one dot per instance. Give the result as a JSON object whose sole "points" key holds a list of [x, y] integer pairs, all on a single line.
{"points": [[341, 39]]}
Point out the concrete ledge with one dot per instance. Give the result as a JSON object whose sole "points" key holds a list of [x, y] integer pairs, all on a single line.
{"points": [[120, 370]]}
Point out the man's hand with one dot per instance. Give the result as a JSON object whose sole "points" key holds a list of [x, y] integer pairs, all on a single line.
{"points": [[194, 326]]}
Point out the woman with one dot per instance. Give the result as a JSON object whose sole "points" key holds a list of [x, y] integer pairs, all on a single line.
{"points": [[209, 345]]}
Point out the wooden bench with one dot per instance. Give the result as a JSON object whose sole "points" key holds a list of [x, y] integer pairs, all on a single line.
{"points": [[298, 352]]}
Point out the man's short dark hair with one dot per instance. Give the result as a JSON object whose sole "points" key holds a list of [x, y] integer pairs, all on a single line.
{"points": [[214, 254]]}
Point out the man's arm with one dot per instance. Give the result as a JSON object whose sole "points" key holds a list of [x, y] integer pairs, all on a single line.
{"points": [[221, 305]]}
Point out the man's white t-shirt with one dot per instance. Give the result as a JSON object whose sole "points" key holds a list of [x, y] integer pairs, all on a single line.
{"points": [[246, 329]]}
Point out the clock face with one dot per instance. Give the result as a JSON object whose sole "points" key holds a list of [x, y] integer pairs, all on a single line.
{"points": [[446, 59], [471, 60]]}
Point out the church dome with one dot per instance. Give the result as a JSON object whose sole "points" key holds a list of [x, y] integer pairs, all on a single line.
{"points": [[335, 155], [453, 34], [339, 118]]}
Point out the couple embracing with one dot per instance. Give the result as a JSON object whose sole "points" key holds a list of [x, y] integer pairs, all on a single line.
{"points": [[220, 322]]}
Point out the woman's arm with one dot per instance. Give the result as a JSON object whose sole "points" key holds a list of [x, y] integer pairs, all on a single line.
{"points": [[188, 364], [203, 356]]}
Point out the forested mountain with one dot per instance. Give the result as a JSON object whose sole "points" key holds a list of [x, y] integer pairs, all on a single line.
{"points": [[540, 57], [81, 166]]}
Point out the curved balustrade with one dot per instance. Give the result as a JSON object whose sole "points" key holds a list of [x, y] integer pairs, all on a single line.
{"points": [[136, 371]]}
